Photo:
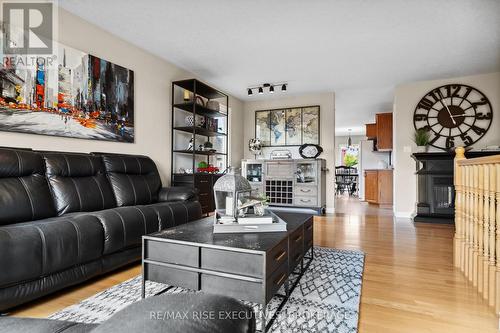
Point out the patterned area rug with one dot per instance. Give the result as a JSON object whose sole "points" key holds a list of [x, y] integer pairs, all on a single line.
{"points": [[326, 299]]}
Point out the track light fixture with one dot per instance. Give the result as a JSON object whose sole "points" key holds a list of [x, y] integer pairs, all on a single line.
{"points": [[270, 88]]}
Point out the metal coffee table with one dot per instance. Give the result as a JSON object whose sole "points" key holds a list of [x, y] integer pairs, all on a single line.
{"points": [[249, 266]]}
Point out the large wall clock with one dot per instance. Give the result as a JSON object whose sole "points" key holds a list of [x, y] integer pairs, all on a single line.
{"points": [[455, 115]]}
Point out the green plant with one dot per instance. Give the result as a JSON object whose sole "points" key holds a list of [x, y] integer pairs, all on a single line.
{"points": [[422, 137], [350, 160], [263, 199]]}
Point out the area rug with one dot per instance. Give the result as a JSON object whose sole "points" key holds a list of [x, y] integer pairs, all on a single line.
{"points": [[326, 299]]}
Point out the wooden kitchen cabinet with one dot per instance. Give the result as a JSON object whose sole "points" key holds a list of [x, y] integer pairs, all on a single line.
{"points": [[371, 131], [384, 131], [378, 187]]}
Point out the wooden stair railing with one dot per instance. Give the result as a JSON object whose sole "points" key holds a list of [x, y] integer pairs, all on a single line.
{"points": [[477, 223]]}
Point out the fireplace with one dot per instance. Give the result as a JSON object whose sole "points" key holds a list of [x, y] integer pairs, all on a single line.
{"points": [[435, 190]]}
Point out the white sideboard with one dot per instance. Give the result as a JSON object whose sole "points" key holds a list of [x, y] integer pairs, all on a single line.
{"points": [[289, 183]]}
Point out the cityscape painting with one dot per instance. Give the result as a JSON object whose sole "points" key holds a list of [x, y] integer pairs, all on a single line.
{"points": [[80, 96]]}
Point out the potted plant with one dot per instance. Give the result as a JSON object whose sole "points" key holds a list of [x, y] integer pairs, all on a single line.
{"points": [[422, 137], [350, 160]]}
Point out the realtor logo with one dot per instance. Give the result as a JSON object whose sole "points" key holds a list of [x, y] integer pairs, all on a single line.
{"points": [[27, 27]]}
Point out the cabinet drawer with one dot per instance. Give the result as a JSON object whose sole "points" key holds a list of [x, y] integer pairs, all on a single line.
{"points": [[171, 276], [239, 289], [279, 170], [305, 201], [203, 182], [277, 256], [305, 191], [171, 253], [232, 262]]}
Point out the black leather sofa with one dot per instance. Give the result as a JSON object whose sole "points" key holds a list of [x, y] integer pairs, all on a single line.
{"points": [[67, 217]]}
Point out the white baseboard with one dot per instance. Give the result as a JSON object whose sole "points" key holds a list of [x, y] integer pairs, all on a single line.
{"points": [[403, 215], [330, 210]]}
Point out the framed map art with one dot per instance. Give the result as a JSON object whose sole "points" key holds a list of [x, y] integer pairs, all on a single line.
{"points": [[288, 126]]}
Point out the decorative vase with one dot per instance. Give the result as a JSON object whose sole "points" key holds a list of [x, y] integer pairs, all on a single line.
{"points": [[421, 149]]}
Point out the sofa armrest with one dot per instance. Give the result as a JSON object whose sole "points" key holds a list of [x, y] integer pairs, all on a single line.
{"points": [[177, 193]]}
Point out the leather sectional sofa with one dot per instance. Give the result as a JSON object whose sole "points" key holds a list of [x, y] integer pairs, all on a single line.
{"points": [[68, 217]]}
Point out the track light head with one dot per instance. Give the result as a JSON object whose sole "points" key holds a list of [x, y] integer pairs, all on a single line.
{"points": [[261, 90], [271, 89], [283, 88], [250, 92]]}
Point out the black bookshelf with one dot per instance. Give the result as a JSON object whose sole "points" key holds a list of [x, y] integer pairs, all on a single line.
{"points": [[197, 106]]}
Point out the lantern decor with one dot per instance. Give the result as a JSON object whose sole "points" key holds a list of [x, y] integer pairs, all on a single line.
{"points": [[230, 192], [233, 200]]}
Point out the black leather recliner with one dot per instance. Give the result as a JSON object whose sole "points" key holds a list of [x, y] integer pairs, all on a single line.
{"points": [[67, 217]]}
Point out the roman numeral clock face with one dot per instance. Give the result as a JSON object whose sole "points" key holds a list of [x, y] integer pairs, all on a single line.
{"points": [[455, 115]]}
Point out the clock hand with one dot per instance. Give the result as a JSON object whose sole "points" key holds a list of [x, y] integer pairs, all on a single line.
{"points": [[446, 106]]}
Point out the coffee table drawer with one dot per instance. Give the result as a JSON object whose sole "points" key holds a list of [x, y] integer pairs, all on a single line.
{"points": [[277, 256], [296, 248], [308, 235], [171, 253], [275, 281], [239, 289], [171, 276], [232, 262]]}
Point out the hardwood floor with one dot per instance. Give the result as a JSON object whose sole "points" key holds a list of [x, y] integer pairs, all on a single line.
{"points": [[409, 282]]}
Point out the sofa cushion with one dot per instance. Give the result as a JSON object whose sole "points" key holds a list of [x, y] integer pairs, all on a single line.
{"points": [[135, 179], [24, 193], [33, 249], [175, 213], [124, 226], [177, 193], [78, 183]]}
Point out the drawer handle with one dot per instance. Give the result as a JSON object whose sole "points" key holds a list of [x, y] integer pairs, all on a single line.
{"points": [[282, 254], [283, 276], [309, 227], [296, 257], [308, 200], [305, 191], [203, 194], [203, 181], [298, 238]]}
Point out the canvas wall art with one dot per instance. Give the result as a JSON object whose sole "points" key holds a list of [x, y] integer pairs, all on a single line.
{"points": [[82, 96], [288, 127]]}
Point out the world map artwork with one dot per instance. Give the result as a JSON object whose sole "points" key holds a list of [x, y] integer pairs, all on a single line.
{"points": [[288, 127]]}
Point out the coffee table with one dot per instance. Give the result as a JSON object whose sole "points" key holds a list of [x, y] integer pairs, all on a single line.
{"points": [[246, 266]]}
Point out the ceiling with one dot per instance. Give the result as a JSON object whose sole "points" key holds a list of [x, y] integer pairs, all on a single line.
{"points": [[358, 48]]}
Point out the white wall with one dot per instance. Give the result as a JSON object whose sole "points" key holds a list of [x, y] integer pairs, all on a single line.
{"points": [[326, 101], [405, 99], [153, 77]]}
